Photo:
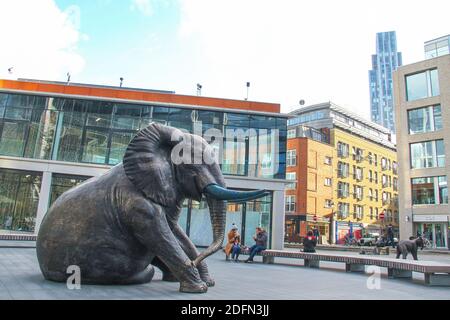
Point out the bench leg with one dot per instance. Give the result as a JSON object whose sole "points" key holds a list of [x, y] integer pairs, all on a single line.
{"points": [[437, 279], [312, 263], [355, 267], [269, 260], [397, 273]]}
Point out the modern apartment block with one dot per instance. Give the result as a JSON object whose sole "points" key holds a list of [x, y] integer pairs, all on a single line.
{"points": [[422, 101], [363, 182], [309, 198], [384, 62], [54, 136], [437, 47]]}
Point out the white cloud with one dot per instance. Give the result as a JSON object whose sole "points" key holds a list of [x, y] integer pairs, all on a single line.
{"points": [[39, 40], [312, 50], [143, 6]]}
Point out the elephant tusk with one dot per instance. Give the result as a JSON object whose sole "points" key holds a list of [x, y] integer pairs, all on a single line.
{"points": [[219, 193]]}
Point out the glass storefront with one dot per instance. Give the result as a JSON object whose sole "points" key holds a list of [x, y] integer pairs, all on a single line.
{"points": [[19, 198], [247, 216], [76, 130], [63, 182], [436, 233]]}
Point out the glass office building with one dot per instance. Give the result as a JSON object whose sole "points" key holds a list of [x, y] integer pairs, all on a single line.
{"points": [[52, 142], [384, 62]]}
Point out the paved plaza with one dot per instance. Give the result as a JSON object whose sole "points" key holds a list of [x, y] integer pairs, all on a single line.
{"points": [[20, 278]]}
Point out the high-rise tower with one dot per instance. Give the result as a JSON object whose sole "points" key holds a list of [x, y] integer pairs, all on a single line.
{"points": [[384, 62]]}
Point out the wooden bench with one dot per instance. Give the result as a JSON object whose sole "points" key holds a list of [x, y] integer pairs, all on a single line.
{"points": [[436, 273]]}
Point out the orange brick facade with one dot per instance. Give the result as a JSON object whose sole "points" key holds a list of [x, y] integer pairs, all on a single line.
{"points": [[313, 172]]}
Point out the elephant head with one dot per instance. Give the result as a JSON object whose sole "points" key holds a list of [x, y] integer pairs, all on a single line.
{"points": [[152, 163]]}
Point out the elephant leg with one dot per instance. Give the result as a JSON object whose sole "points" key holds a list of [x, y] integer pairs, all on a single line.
{"points": [[398, 253], [193, 253], [144, 276], [150, 227], [167, 274], [404, 253], [414, 254]]}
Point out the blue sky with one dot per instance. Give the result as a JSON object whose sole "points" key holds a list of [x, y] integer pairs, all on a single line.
{"points": [[288, 49]]}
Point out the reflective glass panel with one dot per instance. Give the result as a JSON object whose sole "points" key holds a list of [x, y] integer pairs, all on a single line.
{"points": [[62, 182], [12, 139], [119, 144], [95, 145], [19, 198]]}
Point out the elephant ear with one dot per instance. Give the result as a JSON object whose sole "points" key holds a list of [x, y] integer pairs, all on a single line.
{"points": [[148, 164]]}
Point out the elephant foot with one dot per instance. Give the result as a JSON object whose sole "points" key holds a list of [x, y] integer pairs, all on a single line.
{"points": [[189, 287], [208, 280], [169, 277]]}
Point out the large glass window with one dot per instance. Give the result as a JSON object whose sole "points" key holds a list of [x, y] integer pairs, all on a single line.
{"points": [[246, 216], [425, 119], [422, 85], [19, 198], [63, 182], [119, 144], [429, 190], [77, 130], [427, 154], [95, 145]]}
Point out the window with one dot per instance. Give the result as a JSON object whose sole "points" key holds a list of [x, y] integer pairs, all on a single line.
{"points": [[384, 181], [358, 154], [370, 176], [19, 198], [428, 154], [375, 177], [343, 190], [376, 195], [328, 182], [328, 203], [429, 190], [375, 159], [343, 150], [343, 209], [371, 194], [425, 119], [386, 198], [291, 176], [290, 204], [395, 184], [343, 169], [358, 193], [384, 164], [328, 160], [291, 158], [371, 213], [358, 173], [370, 158], [61, 183], [291, 133], [358, 212], [394, 167], [422, 85]]}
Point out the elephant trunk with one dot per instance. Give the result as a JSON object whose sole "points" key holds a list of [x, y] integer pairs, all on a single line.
{"points": [[217, 209]]}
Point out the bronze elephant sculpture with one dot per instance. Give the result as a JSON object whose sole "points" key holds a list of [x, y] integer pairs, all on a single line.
{"points": [[411, 245], [119, 225]]}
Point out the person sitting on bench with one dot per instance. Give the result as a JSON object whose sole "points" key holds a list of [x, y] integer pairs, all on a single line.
{"points": [[260, 243]]}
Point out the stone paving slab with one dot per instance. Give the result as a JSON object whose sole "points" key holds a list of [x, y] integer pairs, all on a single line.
{"points": [[20, 278]]}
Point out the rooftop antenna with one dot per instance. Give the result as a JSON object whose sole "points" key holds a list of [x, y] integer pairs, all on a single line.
{"points": [[121, 81], [248, 86], [68, 77], [199, 89]]}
